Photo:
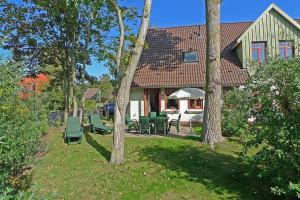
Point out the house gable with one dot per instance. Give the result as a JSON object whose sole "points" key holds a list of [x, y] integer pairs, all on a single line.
{"points": [[272, 26]]}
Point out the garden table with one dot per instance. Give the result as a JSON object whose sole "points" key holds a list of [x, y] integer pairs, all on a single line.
{"points": [[152, 122]]}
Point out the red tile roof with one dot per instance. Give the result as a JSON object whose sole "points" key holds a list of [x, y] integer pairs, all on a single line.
{"points": [[161, 63], [91, 93]]}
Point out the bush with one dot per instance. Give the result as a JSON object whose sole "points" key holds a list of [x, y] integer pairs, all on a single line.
{"points": [[275, 133], [236, 113], [21, 124], [91, 105]]}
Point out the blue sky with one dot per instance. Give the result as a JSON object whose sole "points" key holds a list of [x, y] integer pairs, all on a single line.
{"points": [[168, 13]]}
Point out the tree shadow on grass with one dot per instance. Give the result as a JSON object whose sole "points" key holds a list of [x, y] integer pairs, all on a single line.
{"points": [[219, 173], [185, 137], [102, 150]]}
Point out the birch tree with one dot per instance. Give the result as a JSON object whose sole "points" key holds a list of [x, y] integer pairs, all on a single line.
{"points": [[122, 97], [212, 112]]}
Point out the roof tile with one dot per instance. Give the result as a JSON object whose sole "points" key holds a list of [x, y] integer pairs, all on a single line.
{"points": [[161, 64]]}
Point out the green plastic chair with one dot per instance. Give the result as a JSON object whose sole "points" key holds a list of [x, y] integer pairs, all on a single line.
{"points": [[160, 125], [73, 129], [152, 114], [176, 123], [144, 125], [163, 114], [96, 124], [131, 123]]}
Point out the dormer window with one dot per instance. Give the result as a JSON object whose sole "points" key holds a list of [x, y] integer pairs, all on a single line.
{"points": [[258, 51], [190, 56], [286, 49]]}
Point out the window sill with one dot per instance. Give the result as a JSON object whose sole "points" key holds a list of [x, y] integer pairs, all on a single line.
{"points": [[194, 111], [171, 111]]}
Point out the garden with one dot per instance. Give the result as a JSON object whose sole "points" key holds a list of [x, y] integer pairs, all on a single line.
{"points": [[155, 168], [58, 142], [257, 161]]}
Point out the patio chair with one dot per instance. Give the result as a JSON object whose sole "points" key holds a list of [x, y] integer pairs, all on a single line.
{"points": [[163, 114], [152, 114], [160, 125], [144, 125], [73, 129], [131, 123], [96, 124], [176, 123]]}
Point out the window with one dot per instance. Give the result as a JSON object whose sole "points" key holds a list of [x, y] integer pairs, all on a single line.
{"points": [[286, 49], [190, 56], [171, 103], [195, 104], [258, 51]]}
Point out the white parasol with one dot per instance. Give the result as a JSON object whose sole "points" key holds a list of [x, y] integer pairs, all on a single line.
{"points": [[186, 94]]}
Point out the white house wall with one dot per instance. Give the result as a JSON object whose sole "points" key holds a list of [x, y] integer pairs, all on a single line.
{"points": [[136, 105], [196, 116], [136, 108]]}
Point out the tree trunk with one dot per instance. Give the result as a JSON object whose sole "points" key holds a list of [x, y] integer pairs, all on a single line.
{"points": [[121, 43], [70, 93], [75, 104], [73, 81], [117, 155], [86, 49], [212, 113], [66, 93], [83, 92]]}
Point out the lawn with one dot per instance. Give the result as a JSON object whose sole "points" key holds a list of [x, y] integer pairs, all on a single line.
{"points": [[155, 168]]}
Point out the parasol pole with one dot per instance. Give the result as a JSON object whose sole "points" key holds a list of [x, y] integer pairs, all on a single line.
{"points": [[191, 128]]}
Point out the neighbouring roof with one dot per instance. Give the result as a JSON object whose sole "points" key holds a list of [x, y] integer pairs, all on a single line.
{"points": [[91, 93], [161, 63]]}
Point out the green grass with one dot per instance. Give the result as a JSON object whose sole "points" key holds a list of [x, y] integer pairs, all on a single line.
{"points": [[197, 129], [155, 168]]}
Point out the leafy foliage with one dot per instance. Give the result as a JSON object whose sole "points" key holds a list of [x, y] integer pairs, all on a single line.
{"points": [[65, 35], [21, 124], [235, 114], [106, 87], [275, 106], [91, 105]]}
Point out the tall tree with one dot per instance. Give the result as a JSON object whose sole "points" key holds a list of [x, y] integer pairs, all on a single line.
{"points": [[122, 99], [59, 33], [213, 89]]}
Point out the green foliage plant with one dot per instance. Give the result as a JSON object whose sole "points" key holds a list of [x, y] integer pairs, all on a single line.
{"points": [[22, 123], [272, 99]]}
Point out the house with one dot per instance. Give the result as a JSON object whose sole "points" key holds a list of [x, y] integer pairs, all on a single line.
{"points": [[92, 94], [32, 84], [175, 58]]}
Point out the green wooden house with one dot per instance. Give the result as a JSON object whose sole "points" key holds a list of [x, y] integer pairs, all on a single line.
{"points": [[274, 33]]}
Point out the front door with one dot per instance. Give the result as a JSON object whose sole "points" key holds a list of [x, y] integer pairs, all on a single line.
{"points": [[154, 100]]}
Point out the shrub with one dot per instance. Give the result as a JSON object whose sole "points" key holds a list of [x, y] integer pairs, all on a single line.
{"points": [[235, 113], [91, 105], [21, 124], [275, 134]]}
